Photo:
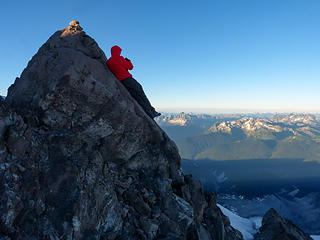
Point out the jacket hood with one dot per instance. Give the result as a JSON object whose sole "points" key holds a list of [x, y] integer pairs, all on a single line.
{"points": [[116, 51]]}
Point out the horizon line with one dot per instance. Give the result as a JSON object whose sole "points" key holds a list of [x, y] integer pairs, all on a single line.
{"points": [[236, 111]]}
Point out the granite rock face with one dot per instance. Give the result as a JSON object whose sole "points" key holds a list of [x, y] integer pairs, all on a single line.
{"points": [[275, 227], [79, 158]]}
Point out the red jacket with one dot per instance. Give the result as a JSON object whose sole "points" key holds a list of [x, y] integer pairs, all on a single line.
{"points": [[118, 65]]}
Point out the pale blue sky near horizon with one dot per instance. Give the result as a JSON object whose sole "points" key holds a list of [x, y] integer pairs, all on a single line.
{"points": [[209, 56]]}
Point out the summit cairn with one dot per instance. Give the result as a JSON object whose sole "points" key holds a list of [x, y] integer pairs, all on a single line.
{"points": [[74, 25], [74, 28]]}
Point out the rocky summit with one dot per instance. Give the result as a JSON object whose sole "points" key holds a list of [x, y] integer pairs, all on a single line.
{"points": [[275, 227], [79, 158]]}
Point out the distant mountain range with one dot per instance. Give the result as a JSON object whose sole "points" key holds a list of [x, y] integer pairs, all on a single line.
{"points": [[243, 137], [254, 162], [268, 128], [183, 125]]}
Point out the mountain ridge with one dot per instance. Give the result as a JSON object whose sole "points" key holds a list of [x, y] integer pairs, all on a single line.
{"points": [[231, 137], [80, 159]]}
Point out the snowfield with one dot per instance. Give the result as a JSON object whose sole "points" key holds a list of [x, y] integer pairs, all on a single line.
{"points": [[247, 226]]}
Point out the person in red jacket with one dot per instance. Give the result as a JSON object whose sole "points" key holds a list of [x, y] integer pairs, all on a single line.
{"points": [[119, 66]]}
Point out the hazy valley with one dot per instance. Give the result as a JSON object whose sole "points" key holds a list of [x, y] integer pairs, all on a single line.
{"points": [[240, 137], [254, 162]]}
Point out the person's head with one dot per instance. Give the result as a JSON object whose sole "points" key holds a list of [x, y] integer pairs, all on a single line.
{"points": [[116, 51]]}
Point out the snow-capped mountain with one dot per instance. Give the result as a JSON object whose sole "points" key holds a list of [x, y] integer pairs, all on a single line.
{"points": [[184, 125], [247, 226], [292, 124], [184, 119], [304, 211]]}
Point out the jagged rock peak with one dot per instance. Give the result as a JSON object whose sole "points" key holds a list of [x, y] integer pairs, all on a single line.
{"points": [[275, 227], [60, 55], [79, 158]]}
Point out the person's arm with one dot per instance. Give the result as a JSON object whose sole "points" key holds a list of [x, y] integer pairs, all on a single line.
{"points": [[127, 64]]}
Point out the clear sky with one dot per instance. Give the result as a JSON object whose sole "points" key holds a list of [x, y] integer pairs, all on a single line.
{"points": [[235, 55]]}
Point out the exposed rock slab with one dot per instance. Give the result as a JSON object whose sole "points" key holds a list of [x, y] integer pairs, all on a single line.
{"points": [[79, 158]]}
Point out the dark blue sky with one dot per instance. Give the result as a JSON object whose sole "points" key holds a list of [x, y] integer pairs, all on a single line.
{"points": [[248, 55]]}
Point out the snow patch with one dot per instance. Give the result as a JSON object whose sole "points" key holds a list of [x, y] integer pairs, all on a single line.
{"points": [[247, 226], [315, 237], [76, 223], [294, 193], [178, 121]]}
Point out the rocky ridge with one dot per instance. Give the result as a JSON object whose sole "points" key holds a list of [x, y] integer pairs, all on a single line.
{"points": [[79, 159], [275, 227]]}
